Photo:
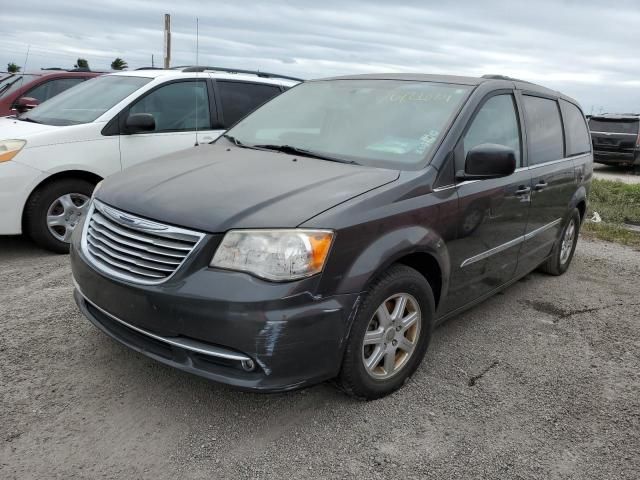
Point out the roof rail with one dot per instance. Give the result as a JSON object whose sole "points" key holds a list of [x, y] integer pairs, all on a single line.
{"points": [[503, 77], [81, 69], [237, 70], [148, 68]]}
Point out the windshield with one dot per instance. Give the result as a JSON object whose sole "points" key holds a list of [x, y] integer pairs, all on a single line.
{"points": [[386, 123], [14, 82], [85, 102]]}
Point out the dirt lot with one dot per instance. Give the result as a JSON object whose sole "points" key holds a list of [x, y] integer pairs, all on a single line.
{"points": [[542, 381], [618, 174]]}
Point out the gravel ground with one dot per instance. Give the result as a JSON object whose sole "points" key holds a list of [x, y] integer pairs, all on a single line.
{"points": [[613, 173], [541, 381]]}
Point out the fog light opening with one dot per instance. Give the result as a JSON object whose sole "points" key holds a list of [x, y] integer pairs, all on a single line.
{"points": [[248, 365]]}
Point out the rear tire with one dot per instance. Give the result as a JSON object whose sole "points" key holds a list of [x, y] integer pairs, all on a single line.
{"points": [[54, 210], [384, 349], [564, 249]]}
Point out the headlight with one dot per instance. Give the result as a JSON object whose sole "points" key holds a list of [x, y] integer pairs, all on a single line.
{"points": [[10, 148], [277, 255]]}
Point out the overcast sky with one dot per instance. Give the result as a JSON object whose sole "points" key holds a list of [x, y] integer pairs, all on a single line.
{"points": [[588, 49]]}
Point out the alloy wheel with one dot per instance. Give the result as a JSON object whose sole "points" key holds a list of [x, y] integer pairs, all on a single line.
{"points": [[392, 336], [567, 242]]}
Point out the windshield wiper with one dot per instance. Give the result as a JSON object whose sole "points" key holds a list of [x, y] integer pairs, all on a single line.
{"points": [[304, 152], [6, 87]]}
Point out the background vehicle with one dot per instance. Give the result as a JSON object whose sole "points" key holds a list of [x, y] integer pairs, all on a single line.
{"points": [[327, 233], [37, 87], [616, 139], [52, 156]]}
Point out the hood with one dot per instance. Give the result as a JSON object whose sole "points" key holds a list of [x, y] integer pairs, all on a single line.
{"points": [[14, 129], [214, 188]]}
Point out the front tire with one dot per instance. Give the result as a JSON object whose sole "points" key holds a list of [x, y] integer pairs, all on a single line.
{"points": [[564, 249], [390, 334], [54, 210]]}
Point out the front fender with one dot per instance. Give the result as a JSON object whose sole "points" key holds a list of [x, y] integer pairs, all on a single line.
{"points": [[387, 249]]}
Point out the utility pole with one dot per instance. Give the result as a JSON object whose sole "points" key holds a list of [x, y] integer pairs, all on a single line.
{"points": [[152, 64], [167, 40]]}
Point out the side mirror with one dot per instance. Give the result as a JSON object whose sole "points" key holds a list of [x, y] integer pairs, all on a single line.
{"points": [[24, 104], [488, 160], [140, 122]]}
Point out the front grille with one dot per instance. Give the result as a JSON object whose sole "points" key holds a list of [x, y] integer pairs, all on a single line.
{"points": [[133, 248]]}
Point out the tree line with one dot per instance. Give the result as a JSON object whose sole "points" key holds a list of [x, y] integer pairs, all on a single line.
{"points": [[83, 63]]}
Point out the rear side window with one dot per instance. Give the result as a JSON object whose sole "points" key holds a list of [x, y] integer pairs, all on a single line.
{"points": [[496, 122], [578, 138], [544, 129], [238, 99]]}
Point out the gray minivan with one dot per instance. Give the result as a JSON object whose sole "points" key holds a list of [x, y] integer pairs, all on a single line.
{"points": [[327, 233]]}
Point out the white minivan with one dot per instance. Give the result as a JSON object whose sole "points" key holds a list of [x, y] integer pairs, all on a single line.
{"points": [[52, 157]]}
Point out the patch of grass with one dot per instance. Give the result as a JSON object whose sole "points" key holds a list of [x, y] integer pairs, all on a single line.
{"points": [[611, 233], [616, 203]]}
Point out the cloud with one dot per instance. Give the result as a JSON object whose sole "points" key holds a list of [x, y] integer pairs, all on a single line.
{"points": [[585, 48]]}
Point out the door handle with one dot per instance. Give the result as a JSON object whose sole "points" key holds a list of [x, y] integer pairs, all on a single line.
{"points": [[541, 185], [522, 190]]}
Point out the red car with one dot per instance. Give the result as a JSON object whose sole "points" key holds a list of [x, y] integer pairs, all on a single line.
{"points": [[35, 88]]}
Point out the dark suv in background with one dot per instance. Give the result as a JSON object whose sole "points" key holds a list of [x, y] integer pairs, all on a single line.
{"points": [[616, 139], [327, 233], [21, 91]]}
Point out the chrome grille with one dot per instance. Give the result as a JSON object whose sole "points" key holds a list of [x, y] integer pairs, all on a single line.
{"points": [[133, 248]]}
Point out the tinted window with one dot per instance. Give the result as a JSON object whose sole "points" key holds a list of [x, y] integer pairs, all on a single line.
{"points": [[49, 89], [578, 138], [629, 126], [544, 129], [239, 99], [496, 122], [177, 106]]}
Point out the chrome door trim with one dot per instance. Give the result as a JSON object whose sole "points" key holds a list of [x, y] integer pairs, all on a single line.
{"points": [[533, 233], [493, 251], [509, 244], [552, 162], [446, 187]]}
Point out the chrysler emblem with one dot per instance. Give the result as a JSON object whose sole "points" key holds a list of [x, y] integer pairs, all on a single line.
{"points": [[129, 220]]}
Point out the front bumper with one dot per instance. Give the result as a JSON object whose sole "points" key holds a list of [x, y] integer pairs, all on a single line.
{"points": [[226, 326], [616, 157], [16, 182]]}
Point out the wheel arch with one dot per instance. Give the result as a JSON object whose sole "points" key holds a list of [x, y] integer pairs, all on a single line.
{"points": [[579, 201], [417, 247], [63, 175], [429, 267]]}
